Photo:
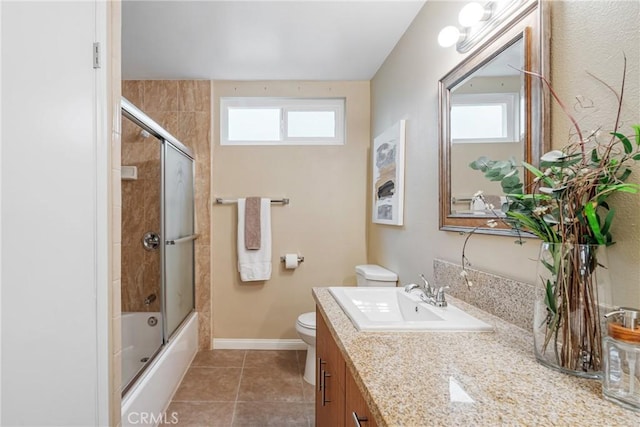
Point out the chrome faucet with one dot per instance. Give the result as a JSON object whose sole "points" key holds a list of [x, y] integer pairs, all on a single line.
{"points": [[148, 300], [428, 293], [410, 287], [427, 287]]}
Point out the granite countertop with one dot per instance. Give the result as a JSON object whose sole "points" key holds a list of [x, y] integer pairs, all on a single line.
{"points": [[458, 378]]}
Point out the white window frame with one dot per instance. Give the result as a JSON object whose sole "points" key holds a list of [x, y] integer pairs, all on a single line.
{"points": [[285, 105], [510, 101]]}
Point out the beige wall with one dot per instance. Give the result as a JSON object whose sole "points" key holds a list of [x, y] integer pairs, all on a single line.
{"points": [[325, 223], [183, 108], [586, 35], [593, 36]]}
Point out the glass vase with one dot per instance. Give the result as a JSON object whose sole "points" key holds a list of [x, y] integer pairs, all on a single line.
{"points": [[573, 292]]}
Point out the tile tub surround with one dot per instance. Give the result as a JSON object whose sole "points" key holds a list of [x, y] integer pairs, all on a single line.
{"points": [[506, 298], [183, 108], [405, 377]]}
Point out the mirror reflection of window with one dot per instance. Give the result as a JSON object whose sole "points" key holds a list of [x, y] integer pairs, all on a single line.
{"points": [[486, 119]]}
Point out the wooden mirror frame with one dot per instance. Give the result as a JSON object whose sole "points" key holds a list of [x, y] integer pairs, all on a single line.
{"points": [[530, 23]]}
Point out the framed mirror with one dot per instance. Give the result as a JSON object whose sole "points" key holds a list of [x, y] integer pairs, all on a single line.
{"points": [[490, 108]]}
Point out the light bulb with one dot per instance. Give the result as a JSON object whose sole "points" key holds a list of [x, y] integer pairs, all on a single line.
{"points": [[471, 14], [448, 36]]}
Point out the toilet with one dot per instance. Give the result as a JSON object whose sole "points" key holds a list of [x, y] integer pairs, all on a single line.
{"points": [[367, 275], [306, 328]]}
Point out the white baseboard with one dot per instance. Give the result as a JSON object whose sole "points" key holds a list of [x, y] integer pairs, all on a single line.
{"points": [[257, 344]]}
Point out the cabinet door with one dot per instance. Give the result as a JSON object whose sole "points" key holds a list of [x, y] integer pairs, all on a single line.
{"points": [[330, 371], [356, 410]]}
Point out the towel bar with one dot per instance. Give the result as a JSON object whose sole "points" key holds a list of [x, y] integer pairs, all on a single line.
{"points": [[221, 201], [461, 199]]}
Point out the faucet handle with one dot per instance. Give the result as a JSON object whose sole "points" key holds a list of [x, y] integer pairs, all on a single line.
{"points": [[427, 287], [441, 300]]}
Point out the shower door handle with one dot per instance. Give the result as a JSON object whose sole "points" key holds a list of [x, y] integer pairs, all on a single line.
{"points": [[182, 239]]}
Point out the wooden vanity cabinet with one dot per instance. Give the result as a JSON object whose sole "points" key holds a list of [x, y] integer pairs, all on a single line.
{"points": [[337, 394], [330, 369]]}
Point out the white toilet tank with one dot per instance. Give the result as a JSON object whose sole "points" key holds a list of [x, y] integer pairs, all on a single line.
{"points": [[374, 275]]}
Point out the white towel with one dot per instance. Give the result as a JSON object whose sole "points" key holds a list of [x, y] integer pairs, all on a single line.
{"points": [[255, 265]]}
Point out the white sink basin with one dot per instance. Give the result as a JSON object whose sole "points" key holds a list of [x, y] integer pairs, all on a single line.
{"points": [[392, 309]]}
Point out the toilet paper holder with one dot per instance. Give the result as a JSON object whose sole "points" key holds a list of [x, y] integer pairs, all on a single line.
{"points": [[300, 258]]}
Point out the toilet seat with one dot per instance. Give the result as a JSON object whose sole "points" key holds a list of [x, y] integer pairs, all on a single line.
{"points": [[307, 320]]}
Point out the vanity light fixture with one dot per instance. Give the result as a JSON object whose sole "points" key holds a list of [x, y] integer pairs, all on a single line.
{"points": [[470, 16], [476, 21], [473, 13], [449, 36]]}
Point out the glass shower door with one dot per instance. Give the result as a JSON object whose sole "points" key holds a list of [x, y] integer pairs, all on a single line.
{"points": [[142, 333], [179, 237]]}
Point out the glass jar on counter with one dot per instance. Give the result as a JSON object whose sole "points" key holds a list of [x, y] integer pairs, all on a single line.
{"points": [[621, 367]]}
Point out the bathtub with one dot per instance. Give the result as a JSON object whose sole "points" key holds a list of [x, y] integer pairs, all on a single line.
{"points": [[141, 338], [146, 400]]}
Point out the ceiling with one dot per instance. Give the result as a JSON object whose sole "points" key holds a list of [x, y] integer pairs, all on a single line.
{"points": [[261, 40]]}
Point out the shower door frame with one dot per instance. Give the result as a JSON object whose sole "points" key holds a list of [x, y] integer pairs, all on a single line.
{"points": [[137, 116]]}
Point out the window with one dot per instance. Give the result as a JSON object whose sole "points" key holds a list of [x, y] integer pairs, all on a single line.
{"points": [[485, 117], [282, 121]]}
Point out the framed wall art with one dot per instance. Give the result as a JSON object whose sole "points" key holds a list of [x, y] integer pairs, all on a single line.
{"points": [[388, 175]]}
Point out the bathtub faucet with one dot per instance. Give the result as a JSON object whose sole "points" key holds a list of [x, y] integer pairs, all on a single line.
{"points": [[148, 300]]}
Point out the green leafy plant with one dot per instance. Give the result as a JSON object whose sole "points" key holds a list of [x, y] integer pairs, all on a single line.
{"points": [[568, 204]]}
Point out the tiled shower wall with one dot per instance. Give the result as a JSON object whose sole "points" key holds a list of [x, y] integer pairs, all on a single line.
{"points": [[183, 108], [140, 214]]}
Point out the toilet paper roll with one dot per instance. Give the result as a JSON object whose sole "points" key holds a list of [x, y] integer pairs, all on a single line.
{"points": [[290, 261]]}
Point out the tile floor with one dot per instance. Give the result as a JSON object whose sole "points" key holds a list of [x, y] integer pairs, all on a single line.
{"points": [[244, 388]]}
